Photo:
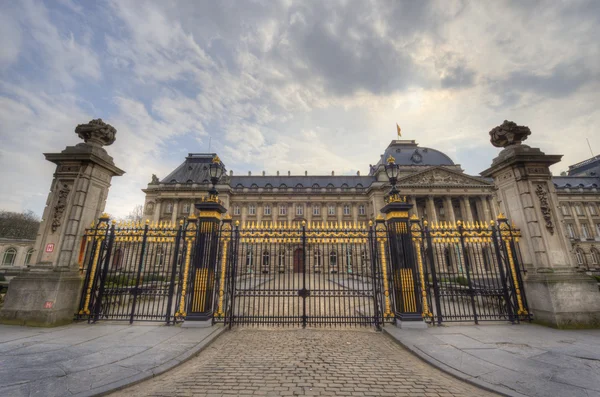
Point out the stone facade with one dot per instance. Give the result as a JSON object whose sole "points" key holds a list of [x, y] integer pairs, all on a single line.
{"points": [[438, 188]]}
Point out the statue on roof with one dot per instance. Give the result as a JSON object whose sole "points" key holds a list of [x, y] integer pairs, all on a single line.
{"points": [[508, 134], [154, 179]]}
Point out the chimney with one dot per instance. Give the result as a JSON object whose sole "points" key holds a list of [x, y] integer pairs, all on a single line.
{"points": [[263, 173], [289, 173], [277, 173], [332, 173], [305, 173], [249, 173]]}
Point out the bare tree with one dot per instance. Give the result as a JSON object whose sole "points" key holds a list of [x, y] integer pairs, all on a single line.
{"points": [[136, 214], [19, 225]]}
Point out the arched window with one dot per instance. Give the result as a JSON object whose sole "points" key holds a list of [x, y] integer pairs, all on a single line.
{"points": [[345, 187], [281, 261], [580, 256], [9, 257], [317, 261], [254, 186], [315, 186], [595, 256], [333, 262], [299, 187], [283, 186], [359, 187], [268, 187], [28, 256], [266, 261], [330, 187]]}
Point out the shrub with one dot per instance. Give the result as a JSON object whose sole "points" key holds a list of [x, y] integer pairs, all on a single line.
{"points": [[462, 280]]}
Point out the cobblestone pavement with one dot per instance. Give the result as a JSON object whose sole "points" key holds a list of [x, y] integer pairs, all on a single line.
{"points": [[307, 362]]}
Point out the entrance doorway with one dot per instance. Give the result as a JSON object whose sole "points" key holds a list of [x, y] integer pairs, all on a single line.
{"points": [[298, 261]]}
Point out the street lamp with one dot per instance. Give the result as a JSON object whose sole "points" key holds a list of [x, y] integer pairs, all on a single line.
{"points": [[216, 169], [392, 169]]}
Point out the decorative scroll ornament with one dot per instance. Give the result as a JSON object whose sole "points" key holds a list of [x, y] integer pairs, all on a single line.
{"points": [[508, 134], [97, 133], [545, 207], [60, 206]]}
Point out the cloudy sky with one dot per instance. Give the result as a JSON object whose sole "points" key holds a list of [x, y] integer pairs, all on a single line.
{"points": [[310, 85]]}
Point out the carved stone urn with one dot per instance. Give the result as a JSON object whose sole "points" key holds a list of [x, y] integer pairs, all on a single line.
{"points": [[508, 134], [97, 133]]}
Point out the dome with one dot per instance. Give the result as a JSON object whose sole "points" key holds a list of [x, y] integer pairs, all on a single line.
{"points": [[410, 153]]}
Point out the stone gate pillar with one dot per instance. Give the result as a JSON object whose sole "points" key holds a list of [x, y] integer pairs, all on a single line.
{"points": [[47, 293], [558, 295]]}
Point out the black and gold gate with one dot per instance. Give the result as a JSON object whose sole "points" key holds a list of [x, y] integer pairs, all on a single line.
{"points": [[393, 270], [301, 274]]}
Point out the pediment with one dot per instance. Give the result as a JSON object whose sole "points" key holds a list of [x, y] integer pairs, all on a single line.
{"points": [[441, 177]]}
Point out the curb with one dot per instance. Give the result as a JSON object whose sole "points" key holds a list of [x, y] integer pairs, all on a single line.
{"points": [[182, 358], [454, 373]]}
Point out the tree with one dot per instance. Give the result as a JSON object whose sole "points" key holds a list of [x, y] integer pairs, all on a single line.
{"points": [[136, 214], [23, 225]]}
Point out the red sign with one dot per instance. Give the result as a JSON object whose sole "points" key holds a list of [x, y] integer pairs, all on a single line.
{"points": [[50, 247], [48, 305]]}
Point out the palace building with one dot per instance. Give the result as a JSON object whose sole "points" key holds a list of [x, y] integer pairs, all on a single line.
{"points": [[439, 190]]}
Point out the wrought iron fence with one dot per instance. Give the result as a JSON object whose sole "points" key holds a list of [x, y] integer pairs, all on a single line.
{"points": [[472, 272]]}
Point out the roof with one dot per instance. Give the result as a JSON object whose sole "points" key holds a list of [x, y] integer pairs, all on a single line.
{"points": [[585, 182], [194, 169], [305, 181], [589, 167], [408, 152]]}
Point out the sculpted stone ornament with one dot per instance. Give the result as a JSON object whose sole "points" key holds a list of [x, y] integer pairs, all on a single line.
{"points": [[97, 133], [508, 134]]}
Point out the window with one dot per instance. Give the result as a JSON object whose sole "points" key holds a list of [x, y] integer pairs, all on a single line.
{"points": [[316, 210], [359, 188], [315, 186], [331, 210], [597, 229], [345, 188], [236, 210], [282, 210], [565, 210], [330, 187], [254, 186], [317, 261], [282, 261], [361, 209], [571, 230], [346, 209], [299, 210], [266, 260], [283, 186], [268, 187], [252, 209], [578, 210], [333, 262], [592, 208], [186, 208], [28, 256], [267, 209], [298, 187], [585, 231], [169, 208], [249, 260], [9, 257], [580, 256], [595, 256]]}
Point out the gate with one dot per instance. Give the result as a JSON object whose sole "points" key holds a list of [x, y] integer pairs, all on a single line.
{"points": [[473, 272], [303, 275], [133, 271]]}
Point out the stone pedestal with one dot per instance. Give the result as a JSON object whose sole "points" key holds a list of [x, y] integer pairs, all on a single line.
{"points": [[48, 293], [558, 295]]}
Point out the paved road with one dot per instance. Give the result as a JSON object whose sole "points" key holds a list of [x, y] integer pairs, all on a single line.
{"points": [[310, 362]]}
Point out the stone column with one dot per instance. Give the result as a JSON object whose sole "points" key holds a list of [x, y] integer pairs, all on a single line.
{"points": [[487, 214], [558, 295], [47, 293], [591, 226], [449, 209], [467, 206], [414, 210], [493, 206], [431, 212], [578, 231], [175, 211]]}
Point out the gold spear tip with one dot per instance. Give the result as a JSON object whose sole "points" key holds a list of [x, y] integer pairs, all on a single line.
{"points": [[391, 159], [216, 159]]}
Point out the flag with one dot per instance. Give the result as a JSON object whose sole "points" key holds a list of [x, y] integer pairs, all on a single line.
{"points": [[399, 130]]}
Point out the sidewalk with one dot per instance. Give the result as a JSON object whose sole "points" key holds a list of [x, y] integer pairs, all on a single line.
{"points": [[514, 360], [86, 360]]}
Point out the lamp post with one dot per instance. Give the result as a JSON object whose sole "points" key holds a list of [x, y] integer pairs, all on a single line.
{"points": [[403, 271], [204, 267]]}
